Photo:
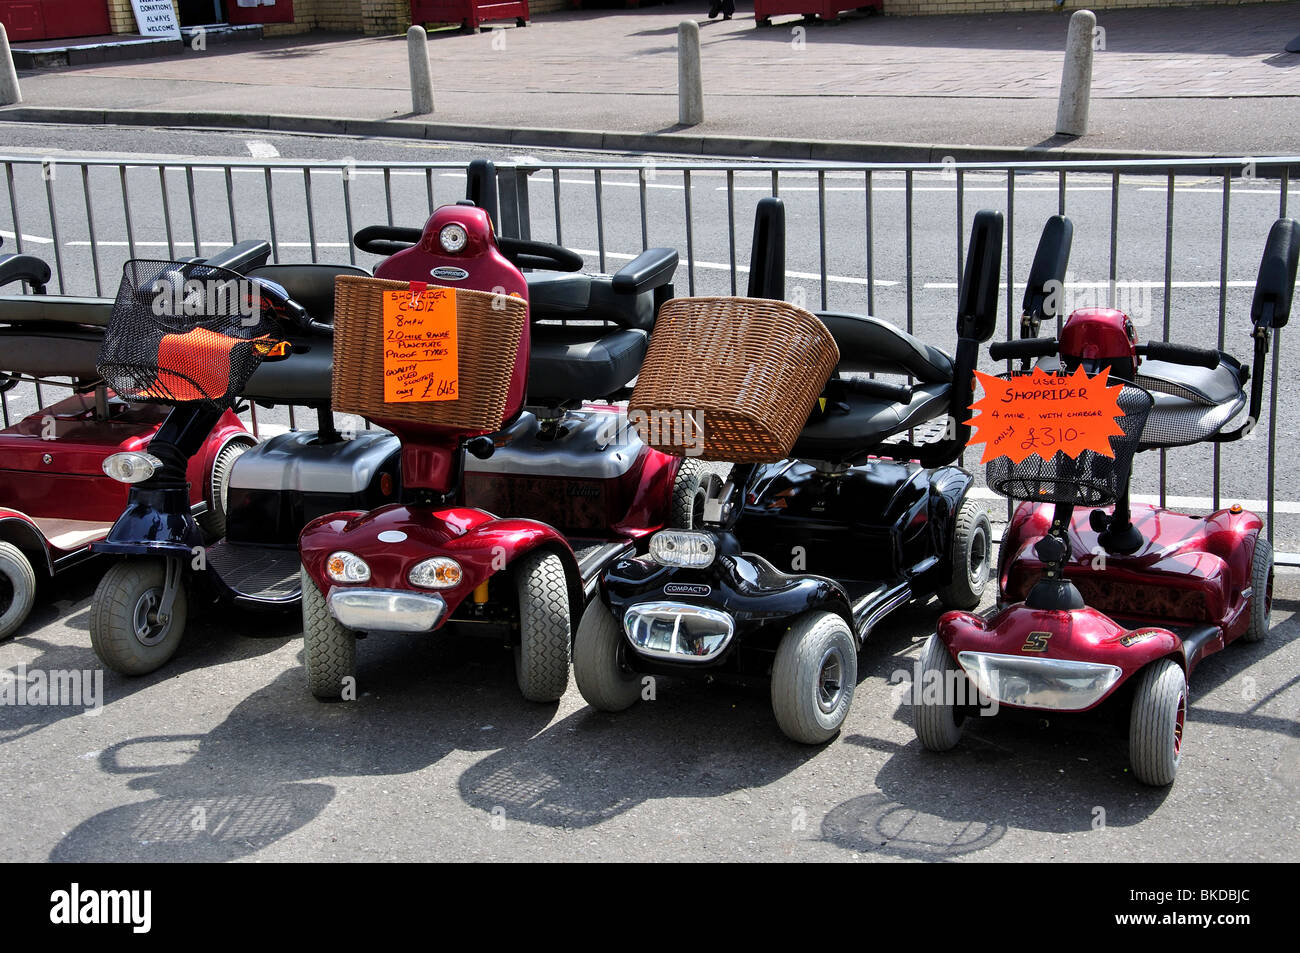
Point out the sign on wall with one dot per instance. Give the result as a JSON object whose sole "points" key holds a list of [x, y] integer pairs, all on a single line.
{"points": [[156, 18]]}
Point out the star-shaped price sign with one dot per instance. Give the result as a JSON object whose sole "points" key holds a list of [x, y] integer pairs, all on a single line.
{"points": [[1041, 414]]}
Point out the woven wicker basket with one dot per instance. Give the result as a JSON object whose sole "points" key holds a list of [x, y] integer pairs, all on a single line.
{"points": [[488, 328], [746, 371]]}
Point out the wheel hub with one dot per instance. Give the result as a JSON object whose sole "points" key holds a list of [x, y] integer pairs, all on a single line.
{"points": [[147, 627], [6, 593], [830, 681], [1178, 725], [979, 554]]}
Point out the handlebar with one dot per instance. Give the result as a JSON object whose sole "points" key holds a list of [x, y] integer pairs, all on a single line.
{"points": [[1207, 357], [1026, 348], [871, 387], [390, 239], [386, 239]]}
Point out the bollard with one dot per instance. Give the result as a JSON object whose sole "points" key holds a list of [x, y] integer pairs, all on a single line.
{"points": [[690, 85], [417, 51], [9, 91], [1076, 75]]}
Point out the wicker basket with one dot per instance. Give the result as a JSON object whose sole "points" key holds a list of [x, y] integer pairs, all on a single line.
{"points": [[745, 372], [488, 328]]}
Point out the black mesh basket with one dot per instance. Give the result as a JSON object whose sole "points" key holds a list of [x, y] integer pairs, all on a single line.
{"points": [[182, 332], [1091, 479]]}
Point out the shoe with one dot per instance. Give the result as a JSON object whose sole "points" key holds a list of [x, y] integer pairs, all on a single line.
{"points": [[715, 10], [726, 16]]}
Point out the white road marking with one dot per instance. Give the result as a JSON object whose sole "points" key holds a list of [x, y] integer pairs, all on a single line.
{"points": [[260, 149], [742, 269], [28, 238]]}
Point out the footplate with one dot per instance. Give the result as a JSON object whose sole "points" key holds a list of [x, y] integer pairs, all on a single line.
{"points": [[256, 575]]}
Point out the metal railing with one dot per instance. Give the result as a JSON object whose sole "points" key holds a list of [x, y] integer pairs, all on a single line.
{"points": [[1174, 242]]}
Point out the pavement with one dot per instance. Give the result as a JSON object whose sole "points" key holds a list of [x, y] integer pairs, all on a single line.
{"points": [[1213, 80]]}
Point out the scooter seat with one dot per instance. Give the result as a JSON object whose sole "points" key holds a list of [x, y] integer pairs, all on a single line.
{"points": [[555, 296], [871, 346], [861, 424], [1191, 403], [312, 286], [577, 362]]}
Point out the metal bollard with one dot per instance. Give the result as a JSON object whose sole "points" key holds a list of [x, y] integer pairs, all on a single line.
{"points": [[1076, 75], [690, 84], [417, 51], [9, 91]]}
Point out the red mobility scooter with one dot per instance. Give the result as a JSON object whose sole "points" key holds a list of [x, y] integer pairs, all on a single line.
{"points": [[1128, 595], [435, 558], [58, 492]]}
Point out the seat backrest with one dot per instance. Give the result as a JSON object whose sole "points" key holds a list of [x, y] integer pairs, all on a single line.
{"points": [[312, 286], [871, 346]]}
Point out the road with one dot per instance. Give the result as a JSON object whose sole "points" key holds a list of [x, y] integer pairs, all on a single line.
{"points": [[223, 755]]}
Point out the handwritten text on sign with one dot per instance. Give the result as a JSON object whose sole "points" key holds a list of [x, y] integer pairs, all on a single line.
{"points": [[1041, 414], [420, 356]]}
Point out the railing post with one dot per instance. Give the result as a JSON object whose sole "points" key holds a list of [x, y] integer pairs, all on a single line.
{"points": [[1076, 75], [690, 84], [9, 91], [417, 52]]}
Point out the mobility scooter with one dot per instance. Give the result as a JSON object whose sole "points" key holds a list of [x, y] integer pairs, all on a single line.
{"points": [[435, 557], [1094, 597], [57, 494], [797, 561]]}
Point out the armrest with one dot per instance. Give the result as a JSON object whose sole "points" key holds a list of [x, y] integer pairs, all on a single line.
{"points": [[651, 269], [241, 257], [25, 268]]}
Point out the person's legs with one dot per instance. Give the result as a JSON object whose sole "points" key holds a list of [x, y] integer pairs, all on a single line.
{"points": [[714, 7], [728, 8]]}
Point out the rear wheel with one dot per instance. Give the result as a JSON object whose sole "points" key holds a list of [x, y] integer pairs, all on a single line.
{"points": [[1261, 596], [1155, 734], [972, 545], [936, 720], [689, 488], [125, 629], [17, 588], [329, 648], [542, 655], [813, 677], [605, 683], [213, 522]]}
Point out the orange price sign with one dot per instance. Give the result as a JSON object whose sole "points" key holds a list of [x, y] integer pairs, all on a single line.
{"points": [[1041, 414], [420, 357]]}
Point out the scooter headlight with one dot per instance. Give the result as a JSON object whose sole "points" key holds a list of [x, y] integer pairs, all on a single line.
{"points": [[683, 548], [452, 238], [438, 572], [131, 467], [347, 567]]}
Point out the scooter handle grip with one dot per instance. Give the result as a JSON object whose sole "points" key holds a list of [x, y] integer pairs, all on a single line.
{"points": [[1027, 347], [1181, 354]]}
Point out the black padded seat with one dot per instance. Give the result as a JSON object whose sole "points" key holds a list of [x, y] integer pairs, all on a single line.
{"points": [[567, 363], [312, 286], [1191, 403], [555, 296], [868, 422], [871, 346]]}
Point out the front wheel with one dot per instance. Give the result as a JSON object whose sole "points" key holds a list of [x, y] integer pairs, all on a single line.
{"points": [[542, 655], [936, 718], [972, 544], [126, 630], [1155, 733], [813, 677], [689, 487], [1261, 591], [605, 683], [17, 588], [329, 648]]}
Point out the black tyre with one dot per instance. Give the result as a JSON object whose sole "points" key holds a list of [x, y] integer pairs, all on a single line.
{"points": [[605, 682], [1155, 734], [213, 522], [17, 588], [124, 628], [329, 648], [937, 722], [970, 552], [542, 655], [1261, 595], [689, 487], [813, 677]]}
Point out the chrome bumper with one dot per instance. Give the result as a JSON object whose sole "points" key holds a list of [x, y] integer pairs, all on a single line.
{"points": [[1055, 684], [677, 631], [386, 610]]}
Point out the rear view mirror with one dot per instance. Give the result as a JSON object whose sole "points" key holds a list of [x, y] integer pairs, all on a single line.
{"points": [[767, 252], [1047, 274], [1271, 307], [977, 303]]}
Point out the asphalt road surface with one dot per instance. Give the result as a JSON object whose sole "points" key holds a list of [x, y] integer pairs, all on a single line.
{"points": [[223, 755]]}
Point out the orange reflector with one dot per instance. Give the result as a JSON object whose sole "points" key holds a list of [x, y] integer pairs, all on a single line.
{"points": [[335, 567], [1235, 508], [481, 593], [386, 484]]}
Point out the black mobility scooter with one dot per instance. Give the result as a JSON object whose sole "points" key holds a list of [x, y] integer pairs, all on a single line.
{"points": [[796, 561]]}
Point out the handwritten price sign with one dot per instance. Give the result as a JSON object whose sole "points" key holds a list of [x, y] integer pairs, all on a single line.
{"points": [[1041, 414], [420, 356]]}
